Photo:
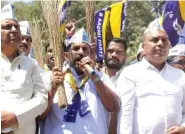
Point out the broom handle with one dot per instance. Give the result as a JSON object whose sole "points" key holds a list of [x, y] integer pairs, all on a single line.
{"points": [[62, 99]]}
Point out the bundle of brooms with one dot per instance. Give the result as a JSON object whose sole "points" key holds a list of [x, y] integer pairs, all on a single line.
{"points": [[51, 15], [36, 35]]}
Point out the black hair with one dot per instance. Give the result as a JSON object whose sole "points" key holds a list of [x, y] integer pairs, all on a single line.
{"points": [[118, 40], [66, 48]]}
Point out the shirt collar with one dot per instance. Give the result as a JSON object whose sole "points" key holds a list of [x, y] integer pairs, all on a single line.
{"points": [[148, 65], [19, 54]]}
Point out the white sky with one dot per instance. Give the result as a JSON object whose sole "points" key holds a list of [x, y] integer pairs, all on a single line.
{"points": [[17, 0]]}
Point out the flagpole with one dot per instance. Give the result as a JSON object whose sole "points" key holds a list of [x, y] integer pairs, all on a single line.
{"points": [[80, 20]]}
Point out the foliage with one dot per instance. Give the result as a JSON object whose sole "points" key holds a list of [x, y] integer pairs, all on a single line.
{"points": [[138, 17]]}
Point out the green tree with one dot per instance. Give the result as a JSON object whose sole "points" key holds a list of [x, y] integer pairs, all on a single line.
{"points": [[138, 17]]}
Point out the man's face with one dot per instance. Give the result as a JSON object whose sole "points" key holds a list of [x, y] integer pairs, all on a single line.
{"points": [[77, 52], [25, 44], [179, 62], [49, 57], [115, 56], [156, 46], [10, 34]]}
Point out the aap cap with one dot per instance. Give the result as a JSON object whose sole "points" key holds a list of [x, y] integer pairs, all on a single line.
{"points": [[7, 12], [177, 50], [154, 25], [24, 26], [79, 37]]}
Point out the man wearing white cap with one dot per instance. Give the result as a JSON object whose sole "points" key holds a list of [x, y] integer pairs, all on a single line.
{"points": [[153, 92], [26, 39], [177, 56], [23, 93], [89, 99]]}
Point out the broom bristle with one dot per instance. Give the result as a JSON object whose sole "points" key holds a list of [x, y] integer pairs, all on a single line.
{"points": [[36, 41], [50, 12], [52, 18]]}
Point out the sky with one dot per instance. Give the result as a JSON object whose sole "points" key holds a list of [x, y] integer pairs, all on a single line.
{"points": [[17, 0]]}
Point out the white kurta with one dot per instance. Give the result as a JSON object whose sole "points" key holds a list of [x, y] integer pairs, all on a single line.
{"points": [[96, 122], [23, 92], [152, 101]]}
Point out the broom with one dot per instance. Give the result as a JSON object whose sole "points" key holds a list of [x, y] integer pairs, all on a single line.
{"points": [[50, 12], [36, 41]]}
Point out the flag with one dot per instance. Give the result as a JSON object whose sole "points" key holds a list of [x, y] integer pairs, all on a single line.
{"points": [[62, 7], [174, 20], [182, 37], [101, 23], [105, 28], [108, 21], [117, 18]]}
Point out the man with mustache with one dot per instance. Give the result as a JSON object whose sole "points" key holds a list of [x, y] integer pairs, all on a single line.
{"points": [[26, 38], [115, 57], [89, 99], [49, 59], [153, 92]]}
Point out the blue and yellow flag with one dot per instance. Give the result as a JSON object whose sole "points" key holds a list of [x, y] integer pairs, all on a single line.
{"points": [[62, 12], [117, 18], [174, 20], [108, 19], [101, 24]]}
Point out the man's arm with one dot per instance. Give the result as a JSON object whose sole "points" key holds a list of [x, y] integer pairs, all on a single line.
{"points": [[108, 97], [56, 77], [183, 103], [30, 109], [113, 124], [180, 129], [126, 86]]}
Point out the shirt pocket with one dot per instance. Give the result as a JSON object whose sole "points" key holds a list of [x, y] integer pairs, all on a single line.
{"points": [[148, 87], [20, 82]]}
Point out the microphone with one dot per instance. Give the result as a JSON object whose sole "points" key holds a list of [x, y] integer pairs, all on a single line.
{"points": [[89, 69]]}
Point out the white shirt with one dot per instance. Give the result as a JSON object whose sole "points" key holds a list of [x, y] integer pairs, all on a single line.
{"points": [[22, 92], [112, 79], [152, 100], [96, 122]]}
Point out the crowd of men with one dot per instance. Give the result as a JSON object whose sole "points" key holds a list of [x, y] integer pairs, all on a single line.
{"points": [[145, 97]]}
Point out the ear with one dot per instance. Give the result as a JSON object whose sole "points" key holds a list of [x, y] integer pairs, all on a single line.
{"points": [[66, 55], [143, 47]]}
